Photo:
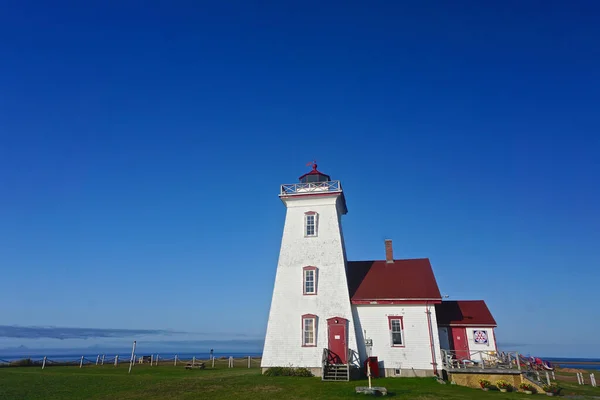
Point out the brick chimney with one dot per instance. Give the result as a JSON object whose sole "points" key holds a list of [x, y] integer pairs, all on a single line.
{"points": [[389, 252]]}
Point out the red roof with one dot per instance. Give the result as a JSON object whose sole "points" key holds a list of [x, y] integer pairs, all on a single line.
{"points": [[399, 280], [464, 313]]}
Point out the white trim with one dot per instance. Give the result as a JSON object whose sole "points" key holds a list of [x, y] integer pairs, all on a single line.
{"points": [[400, 321], [314, 331], [398, 299], [314, 281], [314, 224]]}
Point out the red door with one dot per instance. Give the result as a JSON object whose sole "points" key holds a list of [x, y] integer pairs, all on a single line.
{"points": [[460, 345], [338, 347]]}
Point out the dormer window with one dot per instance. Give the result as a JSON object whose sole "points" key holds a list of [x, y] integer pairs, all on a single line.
{"points": [[310, 224]]}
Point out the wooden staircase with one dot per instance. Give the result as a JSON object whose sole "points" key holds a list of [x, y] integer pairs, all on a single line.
{"points": [[336, 372], [332, 371]]}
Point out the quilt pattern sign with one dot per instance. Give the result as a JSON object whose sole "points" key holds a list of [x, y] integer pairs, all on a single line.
{"points": [[480, 336]]}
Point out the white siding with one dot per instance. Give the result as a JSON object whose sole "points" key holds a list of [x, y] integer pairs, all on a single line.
{"points": [[283, 341], [371, 322]]}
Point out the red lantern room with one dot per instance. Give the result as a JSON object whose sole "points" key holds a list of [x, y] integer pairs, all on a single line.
{"points": [[314, 176]]}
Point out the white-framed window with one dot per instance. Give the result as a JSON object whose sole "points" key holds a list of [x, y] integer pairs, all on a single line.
{"points": [[309, 280], [309, 330], [310, 224], [396, 326]]}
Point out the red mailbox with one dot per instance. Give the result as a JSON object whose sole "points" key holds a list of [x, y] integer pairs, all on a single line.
{"points": [[374, 365]]}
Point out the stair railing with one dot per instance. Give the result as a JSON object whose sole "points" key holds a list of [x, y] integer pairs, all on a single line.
{"points": [[324, 362]]}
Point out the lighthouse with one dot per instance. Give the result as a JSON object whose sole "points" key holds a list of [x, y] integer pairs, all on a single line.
{"points": [[311, 314]]}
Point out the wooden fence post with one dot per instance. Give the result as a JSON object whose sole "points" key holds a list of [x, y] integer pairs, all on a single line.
{"points": [[518, 361], [175, 359], [117, 360], [249, 361], [81, 362], [44, 363], [213, 360]]}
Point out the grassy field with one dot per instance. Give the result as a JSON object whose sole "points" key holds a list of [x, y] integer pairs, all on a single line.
{"points": [[169, 382]]}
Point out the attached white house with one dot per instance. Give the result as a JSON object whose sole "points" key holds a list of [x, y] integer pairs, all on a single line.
{"points": [[329, 314]]}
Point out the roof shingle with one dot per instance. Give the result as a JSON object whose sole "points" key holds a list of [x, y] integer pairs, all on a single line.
{"points": [[400, 280], [464, 313]]}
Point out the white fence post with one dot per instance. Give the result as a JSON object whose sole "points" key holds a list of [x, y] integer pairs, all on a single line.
{"points": [[97, 359], [102, 363], [193, 361], [44, 363], [553, 376], [175, 359], [132, 359], [518, 361], [231, 361], [593, 380], [213, 359], [548, 377], [248, 361], [117, 360], [81, 362], [151, 359], [157, 359]]}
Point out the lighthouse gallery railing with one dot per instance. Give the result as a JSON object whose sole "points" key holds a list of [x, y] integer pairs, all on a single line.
{"points": [[291, 189]]}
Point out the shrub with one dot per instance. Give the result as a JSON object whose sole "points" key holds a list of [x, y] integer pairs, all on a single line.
{"points": [[288, 371], [552, 388], [501, 384], [25, 362], [527, 386], [484, 383]]}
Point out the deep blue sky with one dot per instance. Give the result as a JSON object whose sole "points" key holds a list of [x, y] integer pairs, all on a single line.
{"points": [[142, 148]]}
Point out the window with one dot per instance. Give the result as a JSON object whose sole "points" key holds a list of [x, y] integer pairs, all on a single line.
{"points": [[310, 223], [396, 331], [309, 280], [309, 330]]}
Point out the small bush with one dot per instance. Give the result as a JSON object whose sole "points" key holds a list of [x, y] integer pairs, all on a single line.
{"points": [[552, 388], [527, 387], [501, 384], [25, 362], [484, 383], [288, 371]]}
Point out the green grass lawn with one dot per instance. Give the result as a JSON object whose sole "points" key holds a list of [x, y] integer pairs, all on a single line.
{"points": [[169, 382]]}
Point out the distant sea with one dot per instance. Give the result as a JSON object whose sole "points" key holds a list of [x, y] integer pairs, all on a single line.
{"points": [[123, 356], [579, 363]]}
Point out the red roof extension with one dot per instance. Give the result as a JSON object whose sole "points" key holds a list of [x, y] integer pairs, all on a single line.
{"points": [[464, 313], [398, 281]]}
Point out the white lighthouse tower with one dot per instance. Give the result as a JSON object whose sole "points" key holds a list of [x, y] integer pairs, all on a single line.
{"points": [[311, 314]]}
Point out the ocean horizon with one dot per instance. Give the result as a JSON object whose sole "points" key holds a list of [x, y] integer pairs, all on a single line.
{"points": [[563, 362], [89, 356]]}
